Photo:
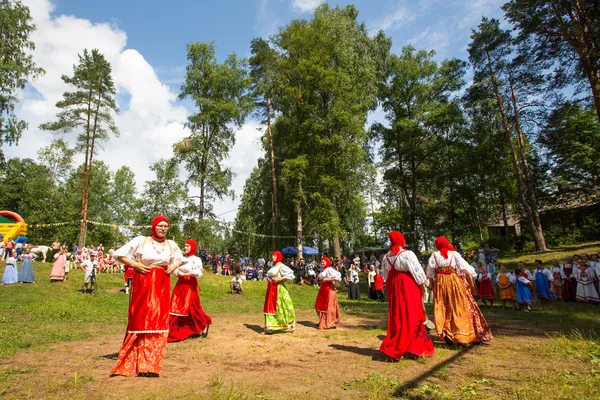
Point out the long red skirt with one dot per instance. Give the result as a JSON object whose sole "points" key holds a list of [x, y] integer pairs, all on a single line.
{"points": [[406, 332], [187, 317], [486, 291], [569, 290], [144, 345]]}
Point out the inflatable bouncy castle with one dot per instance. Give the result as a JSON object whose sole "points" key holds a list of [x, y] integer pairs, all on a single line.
{"points": [[11, 225]]}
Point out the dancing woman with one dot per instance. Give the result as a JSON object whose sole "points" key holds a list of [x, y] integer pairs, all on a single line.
{"points": [[458, 318], [327, 305], [154, 258], [278, 308], [406, 332], [187, 317]]}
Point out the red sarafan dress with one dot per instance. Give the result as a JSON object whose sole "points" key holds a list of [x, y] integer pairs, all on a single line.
{"points": [[406, 332], [144, 345], [326, 305], [187, 318]]}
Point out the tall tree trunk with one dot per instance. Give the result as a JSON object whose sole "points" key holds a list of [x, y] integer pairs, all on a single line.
{"points": [[539, 245], [274, 208], [504, 216], [299, 225], [84, 197], [539, 232], [337, 249]]}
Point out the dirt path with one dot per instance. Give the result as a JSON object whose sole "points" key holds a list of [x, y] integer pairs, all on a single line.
{"points": [[236, 361]]}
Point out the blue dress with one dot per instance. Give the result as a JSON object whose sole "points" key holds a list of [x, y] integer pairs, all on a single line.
{"points": [[26, 271], [523, 293], [10, 272], [542, 285]]}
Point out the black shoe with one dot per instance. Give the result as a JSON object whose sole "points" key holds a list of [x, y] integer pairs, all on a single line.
{"points": [[205, 333]]}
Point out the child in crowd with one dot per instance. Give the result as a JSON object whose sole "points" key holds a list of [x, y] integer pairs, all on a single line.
{"points": [[524, 290], [486, 291], [379, 286], [557, 284], [584, 274], [543, 277], [312, 276], [236, 284], [506, 283]]}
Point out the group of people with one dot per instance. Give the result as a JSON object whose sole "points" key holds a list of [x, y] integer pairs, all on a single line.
{"points": [[24, 274]]}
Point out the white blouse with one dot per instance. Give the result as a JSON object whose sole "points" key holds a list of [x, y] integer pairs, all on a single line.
{"points": [[480, 277], [281, 270], [192, 267], [562, 270], [404, 261], [330, 273], [142, 247], [454, 259]]}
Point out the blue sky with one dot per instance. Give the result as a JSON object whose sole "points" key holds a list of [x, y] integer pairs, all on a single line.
{"points": [[145, 43]]}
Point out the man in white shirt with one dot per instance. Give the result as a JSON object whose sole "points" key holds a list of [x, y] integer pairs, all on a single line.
{"points": [[90, 266]]}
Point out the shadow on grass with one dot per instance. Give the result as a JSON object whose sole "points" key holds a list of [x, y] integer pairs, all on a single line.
{"points": [[256, 328], [401, 391], [309, 324], [375, 355], [112, 356]]}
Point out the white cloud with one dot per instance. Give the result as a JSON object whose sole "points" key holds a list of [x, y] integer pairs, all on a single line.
{"points": [[151, 119], [432, 39], [306, 5], [266, 23], [397, 19], [475, 9]]}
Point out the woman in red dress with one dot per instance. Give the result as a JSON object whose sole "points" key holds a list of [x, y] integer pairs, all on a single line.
{"points": [[328, 309], [187, 317], [154, 258], [406, 332]]}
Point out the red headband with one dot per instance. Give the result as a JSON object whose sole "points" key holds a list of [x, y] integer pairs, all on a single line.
{"points": [[396, 241], [278, 255], [443, 245], [192, 244], [157, 220], [327, 261]]}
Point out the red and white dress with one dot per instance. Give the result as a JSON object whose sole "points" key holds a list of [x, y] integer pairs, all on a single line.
{"points": [[406, 331], [327, 306], [187, 317], [144, 345]]}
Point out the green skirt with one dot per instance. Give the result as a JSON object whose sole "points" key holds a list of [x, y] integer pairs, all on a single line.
{"points": [[285, 316]]}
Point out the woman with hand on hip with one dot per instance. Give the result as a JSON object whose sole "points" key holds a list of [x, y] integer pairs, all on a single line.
{"points": [[278, 307], [154, 259]]}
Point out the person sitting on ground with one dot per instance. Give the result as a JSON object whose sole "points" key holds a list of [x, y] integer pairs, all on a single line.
{"points": [[312, 276], [236, 284]]}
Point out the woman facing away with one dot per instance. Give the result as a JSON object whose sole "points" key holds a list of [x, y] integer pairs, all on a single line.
{"points": [[327, 307], [278, 307], [187, 318], [26, 271], [458, 318], [406, 331], [154, 258]]}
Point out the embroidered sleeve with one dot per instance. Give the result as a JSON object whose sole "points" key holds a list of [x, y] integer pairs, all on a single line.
{"points": [[414, 266], [548, 274]]}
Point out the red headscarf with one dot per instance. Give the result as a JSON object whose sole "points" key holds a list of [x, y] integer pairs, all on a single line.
{"points": [[192, 244], [278, 255], [443, 245], [327, 261], [396, 241], [157, 220]]}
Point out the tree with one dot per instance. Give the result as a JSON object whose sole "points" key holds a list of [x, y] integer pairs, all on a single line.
{"points": [[17, 66], [265, 79], [88, 110], [220, 94], [572, 139], [124, 200], [165, 195], [563, 32], [293, 174], [490, 54], [58, 156], [417, 99]]}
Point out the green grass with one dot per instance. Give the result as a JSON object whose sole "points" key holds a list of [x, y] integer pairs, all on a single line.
{"points": [[558, 253]]}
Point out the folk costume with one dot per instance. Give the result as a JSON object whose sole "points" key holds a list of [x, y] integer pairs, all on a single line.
{"points": [[486, 291], [10, 275], [524, 291], [144, 345], [457, 315], [586, 291], [278, 306], [567, 272], [187, 317], [57, 274], [26, 271], [406, 330], [327, 307], [505, 282], [543, 277]]}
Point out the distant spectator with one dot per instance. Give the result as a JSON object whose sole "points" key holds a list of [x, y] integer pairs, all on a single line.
{"points": [[236, 284]]}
